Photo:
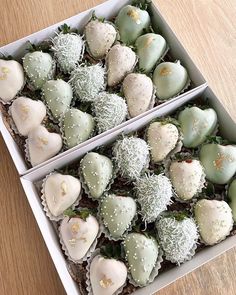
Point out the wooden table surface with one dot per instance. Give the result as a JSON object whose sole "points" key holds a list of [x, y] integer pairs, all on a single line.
{"points": [[207, 30]]}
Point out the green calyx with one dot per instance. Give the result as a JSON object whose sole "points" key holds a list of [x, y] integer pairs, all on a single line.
{"points": [[65, 29], [94, 17], [142, 4], [179, 216], [82, 213], [42, 46], [217, 140]]}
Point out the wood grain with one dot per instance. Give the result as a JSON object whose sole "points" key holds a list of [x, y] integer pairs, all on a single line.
{"points": [[207, 30]]}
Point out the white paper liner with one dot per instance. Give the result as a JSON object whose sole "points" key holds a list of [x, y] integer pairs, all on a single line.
{"points": [[88, 282], [85, 187], [154, 272], [91, 248], [167, 164], [44, 202], [105, 230], [60, 124]]}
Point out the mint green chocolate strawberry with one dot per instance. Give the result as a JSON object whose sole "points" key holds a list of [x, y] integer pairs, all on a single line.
{"points": [[68, 50], [131, 155], [170, 79], [39, 67], [196, 125], [178, 237], [110, 110], [141, 254], [154, 194], [219, 162], [150, 49], [77, 126], [97, 171], [131, 22], [117, 213], [58, 96], [232, 197]]}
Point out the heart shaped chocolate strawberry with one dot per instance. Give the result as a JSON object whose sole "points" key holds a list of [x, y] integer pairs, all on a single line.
{"points": [[77, 127], [42, 145], [131, 155], [214, 219], [107, 275], [78, 234], [232, 197], [154, 194], [170, 79], [27, 114], [58, 96], [219, 162], [105, 106], [97, 171], [150, 49], [60, 192], [141, 254], [11, 79], [117, 213], [39, 67], [162, 139], [138, 91], [88, 81], [68, 50], [120, 61], [178, 237], [100, 36], [187, 177], [196, 125], [131, 22]]}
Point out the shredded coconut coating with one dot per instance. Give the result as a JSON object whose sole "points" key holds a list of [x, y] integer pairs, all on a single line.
{"points": [[88, 81], [131, 156], [154, 194], [110, 111], [177, 238], [68, 50]]}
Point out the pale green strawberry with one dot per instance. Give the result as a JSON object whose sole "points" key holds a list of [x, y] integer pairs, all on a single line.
{"points": [[131, 22], [196, 125], [97, 171], [141, 254], [117, 213], [150, 48], [219, 162], [39, 67], [232, 197], [170, 79], [58, 96], [77, 127]]}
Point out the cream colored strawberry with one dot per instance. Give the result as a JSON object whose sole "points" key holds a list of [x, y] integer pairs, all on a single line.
{"points": [[42, 145], [60, 192], [78, 235], [27, 114], [162, 139]]}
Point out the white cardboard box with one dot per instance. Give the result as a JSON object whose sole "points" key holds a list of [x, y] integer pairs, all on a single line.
{"points": [[227, 128], [108, 9]]}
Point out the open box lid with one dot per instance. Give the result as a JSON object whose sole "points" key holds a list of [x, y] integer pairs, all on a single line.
{"points": [[108, 10]]}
